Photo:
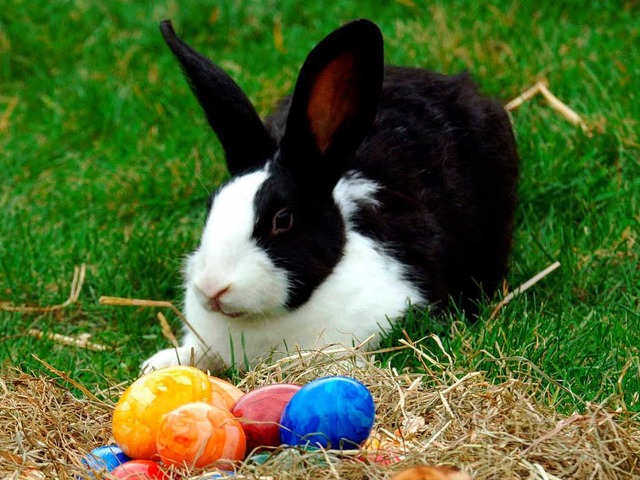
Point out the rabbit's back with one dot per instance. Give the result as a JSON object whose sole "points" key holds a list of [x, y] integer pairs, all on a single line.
{"points": [[446, 161]]}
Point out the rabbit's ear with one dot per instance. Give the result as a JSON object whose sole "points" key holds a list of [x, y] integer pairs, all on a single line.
{"points": [[242, 134], [334, 102]]}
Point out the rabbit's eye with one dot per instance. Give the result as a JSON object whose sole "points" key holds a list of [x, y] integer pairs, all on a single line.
{"points": [[282, 222]]}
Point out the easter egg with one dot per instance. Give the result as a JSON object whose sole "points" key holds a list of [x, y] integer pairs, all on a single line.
{"points": [[105, 458], [215, 475], [139, 470], [138, 413], [428, 472], [223, 393], [331, 412], [382, 452], [32, 474], [218, 474], [200, 434], [259, 412]]}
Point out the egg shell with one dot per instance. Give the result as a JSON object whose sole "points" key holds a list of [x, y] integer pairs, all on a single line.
{"points": [[200, 434], [259, 412], [32, 474], [104, 458], [428, 472], [330, 412], [223, 393], [138, 413], [139, 470], [387, 458]]}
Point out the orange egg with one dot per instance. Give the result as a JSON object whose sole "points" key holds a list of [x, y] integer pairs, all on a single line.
{"points": [[200, 434], [138, 413], [428, 472], [223, 393]]}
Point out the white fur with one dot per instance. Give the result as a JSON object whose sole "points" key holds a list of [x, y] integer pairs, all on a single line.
{"points": [[365, 290], [352, 191], [229, 257]]}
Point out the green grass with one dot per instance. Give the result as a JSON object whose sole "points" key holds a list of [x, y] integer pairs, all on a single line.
{"points": [[107, 160]]}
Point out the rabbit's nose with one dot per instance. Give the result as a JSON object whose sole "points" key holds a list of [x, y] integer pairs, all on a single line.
{"points": [[214, 300]]}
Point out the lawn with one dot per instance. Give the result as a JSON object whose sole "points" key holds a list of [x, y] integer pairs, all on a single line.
{"points": [[107, 161]]}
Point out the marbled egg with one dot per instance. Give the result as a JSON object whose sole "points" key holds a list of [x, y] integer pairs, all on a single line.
{"points": [[104, 458], [223, 393], [331, 412], [141, 407], [429, 472], [139, 470], [259, 412], [199, 434]]}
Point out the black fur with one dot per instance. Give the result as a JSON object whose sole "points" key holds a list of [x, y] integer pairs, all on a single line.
{"points": [[313, 247], [447, 159], [444, 155], [229, 111], [315, 168]]}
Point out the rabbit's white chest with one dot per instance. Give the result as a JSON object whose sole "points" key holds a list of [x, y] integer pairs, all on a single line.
{"points": [[365, 292]]}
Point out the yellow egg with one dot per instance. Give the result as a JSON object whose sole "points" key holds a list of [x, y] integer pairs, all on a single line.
{"points": [[200, 434], [139, 412]]}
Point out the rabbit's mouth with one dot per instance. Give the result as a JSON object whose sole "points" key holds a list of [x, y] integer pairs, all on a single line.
{"points": [[216, 305], [232, 314], [220, 308]]}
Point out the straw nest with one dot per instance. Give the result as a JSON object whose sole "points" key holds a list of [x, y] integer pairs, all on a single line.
{"points": [[444, 416]]}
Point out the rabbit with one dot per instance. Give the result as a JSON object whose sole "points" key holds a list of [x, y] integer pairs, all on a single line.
{"points": [[370, 189]]}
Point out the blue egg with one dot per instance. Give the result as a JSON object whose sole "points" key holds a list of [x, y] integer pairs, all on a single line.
{"points": [[331, 412], [105, 458]]}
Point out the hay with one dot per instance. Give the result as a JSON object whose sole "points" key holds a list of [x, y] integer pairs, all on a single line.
{"points": [[445, 416], [79, 274], [44, 428], [523, 288], [541, 87]]}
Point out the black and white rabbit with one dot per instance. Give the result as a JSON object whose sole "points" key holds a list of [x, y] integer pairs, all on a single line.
{"points": [[369, 189]]}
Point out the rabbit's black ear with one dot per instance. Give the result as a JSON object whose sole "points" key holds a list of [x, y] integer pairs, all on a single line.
{"points": [[334, 102], [242, 134]]}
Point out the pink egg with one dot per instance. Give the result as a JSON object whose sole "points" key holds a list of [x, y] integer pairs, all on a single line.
{"points": [[259, 412], [139, 470]]}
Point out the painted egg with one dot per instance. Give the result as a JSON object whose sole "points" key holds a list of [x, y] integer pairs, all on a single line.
{"points": [[139, 470], [223, 393], [331, 412], [200, 434], [138, 413], [428, 472], [259, 412], [218, 474], [105, 458], [32, 474]]}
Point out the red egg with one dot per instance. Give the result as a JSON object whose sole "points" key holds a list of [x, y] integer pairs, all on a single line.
{"points": [[139, 470], [259, 412]]}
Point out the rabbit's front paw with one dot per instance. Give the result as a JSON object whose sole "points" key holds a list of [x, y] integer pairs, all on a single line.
{"points": [[170, 357]]}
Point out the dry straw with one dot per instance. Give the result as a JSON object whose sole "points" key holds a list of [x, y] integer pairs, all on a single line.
{"points": [[506, 428], [444, 416]]}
